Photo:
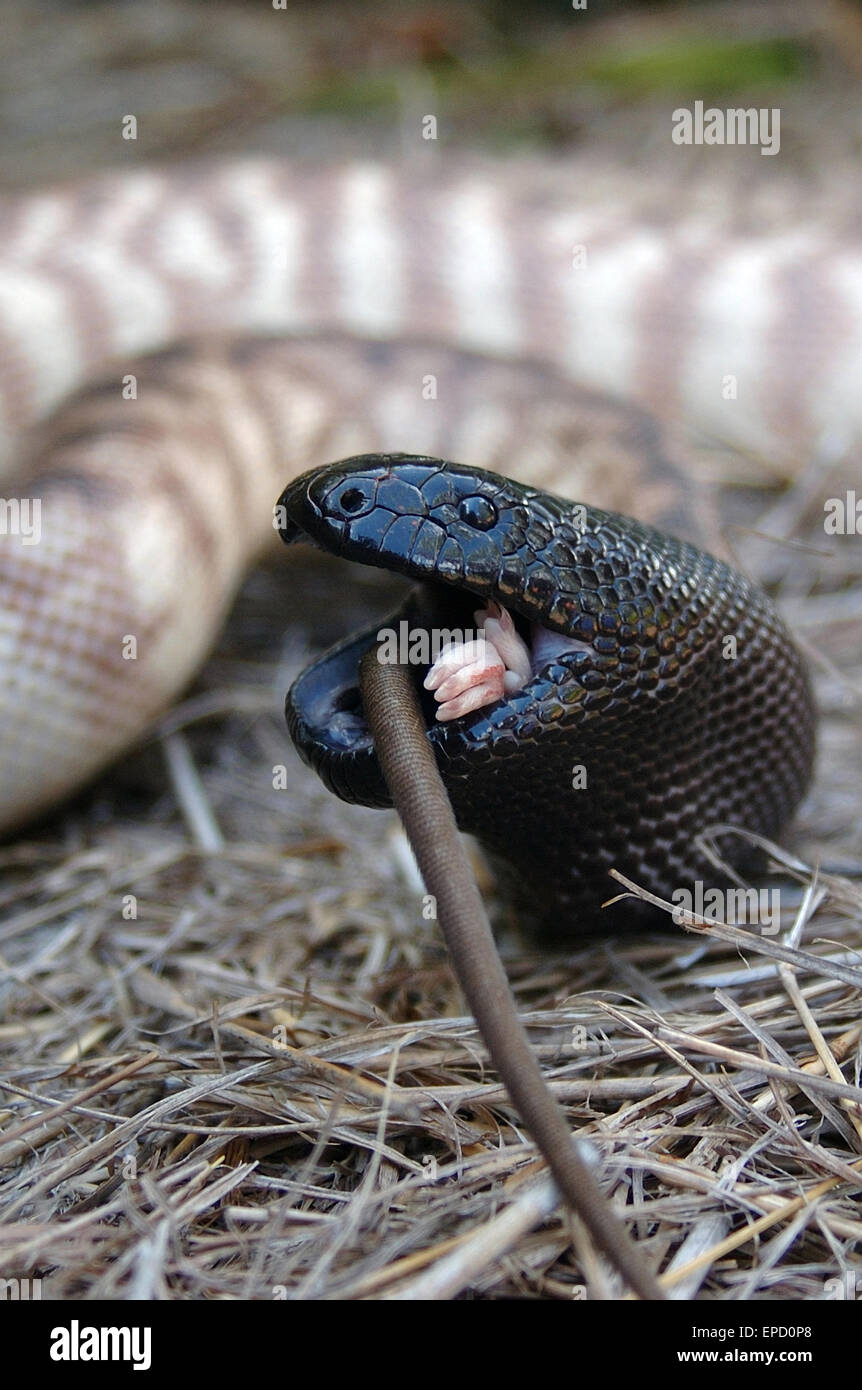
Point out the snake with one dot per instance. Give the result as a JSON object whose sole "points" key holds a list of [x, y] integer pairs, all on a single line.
{"points": [[660, 674], [602, 640], [177, 342]]}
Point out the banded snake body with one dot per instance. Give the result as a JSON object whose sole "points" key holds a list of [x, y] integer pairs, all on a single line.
{"points": [[156, 486]]}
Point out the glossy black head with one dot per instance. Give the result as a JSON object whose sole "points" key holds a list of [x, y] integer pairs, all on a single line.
{"points": [[438, 522]]}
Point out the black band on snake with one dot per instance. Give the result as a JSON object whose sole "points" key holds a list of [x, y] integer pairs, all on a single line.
{"points": [[664, 693]]}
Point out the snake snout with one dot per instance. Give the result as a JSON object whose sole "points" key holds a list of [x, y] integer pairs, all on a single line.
{"points": [[372, 504]]}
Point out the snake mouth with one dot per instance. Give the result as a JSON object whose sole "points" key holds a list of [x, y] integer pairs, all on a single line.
{"points": [[340, 510], [324, 707]]}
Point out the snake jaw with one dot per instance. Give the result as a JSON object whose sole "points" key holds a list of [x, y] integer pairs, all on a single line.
{"points": [[324, 708], [325, 714]]}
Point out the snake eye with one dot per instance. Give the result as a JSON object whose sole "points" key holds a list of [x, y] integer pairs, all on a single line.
{"points": [[352, 500], [478, 512], [352, 497]]}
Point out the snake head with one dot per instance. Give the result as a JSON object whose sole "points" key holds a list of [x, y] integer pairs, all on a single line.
{"points": [[432, 520], [469, 537], [629, 730]]}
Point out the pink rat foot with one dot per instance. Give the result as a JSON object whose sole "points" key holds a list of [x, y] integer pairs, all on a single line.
{"points": [[469, 675]]}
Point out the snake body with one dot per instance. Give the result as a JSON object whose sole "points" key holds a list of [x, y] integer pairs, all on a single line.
{"points": [[665, 695], [156, 480]]}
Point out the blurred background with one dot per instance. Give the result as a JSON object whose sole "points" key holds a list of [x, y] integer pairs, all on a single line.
{"points": [[327, 78]]}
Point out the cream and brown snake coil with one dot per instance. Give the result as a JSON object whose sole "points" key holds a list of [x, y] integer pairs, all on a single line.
{"points": [[299, 315]]}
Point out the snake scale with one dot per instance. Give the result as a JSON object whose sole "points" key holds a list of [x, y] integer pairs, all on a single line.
{"points": [[227, 326]]}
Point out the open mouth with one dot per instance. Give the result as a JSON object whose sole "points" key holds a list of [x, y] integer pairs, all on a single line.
{"points": [[324, 708], [479, 663], [434, 633]]}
